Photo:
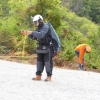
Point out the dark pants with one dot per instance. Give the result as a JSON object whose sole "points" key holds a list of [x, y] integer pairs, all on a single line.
{"points": [[80, 65], [77, 52], [45, 60]]}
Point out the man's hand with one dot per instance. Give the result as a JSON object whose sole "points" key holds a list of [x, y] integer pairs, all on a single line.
{"points": [[23, 32]]}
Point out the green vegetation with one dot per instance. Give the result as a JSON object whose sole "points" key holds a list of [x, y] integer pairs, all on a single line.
{"points": [[86, 8], [71, 28]]}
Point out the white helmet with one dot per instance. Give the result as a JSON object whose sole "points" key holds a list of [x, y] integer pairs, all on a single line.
{"points": [[37, 17]]}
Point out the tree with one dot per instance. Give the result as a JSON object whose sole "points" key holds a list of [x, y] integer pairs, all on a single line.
{"points": [[4, 7], [51, 11], [86, 8], [95, 11]]}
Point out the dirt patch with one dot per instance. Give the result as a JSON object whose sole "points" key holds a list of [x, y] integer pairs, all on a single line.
{"points": [[31, 59]]}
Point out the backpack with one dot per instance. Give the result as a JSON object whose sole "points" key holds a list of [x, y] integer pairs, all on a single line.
{"points": [[55, 38]]}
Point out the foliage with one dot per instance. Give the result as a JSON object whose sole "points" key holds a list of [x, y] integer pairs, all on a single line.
{"points": [[72, 29], [51, 11], [6, 41], [4, 7], [93, 58], [2, 49], [86, 8], [95, 11]]}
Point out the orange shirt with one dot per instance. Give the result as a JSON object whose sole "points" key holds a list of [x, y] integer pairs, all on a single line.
{"points": [[81, 49]]}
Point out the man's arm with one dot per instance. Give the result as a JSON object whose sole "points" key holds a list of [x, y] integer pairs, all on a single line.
{"points": [[81, 55], [41, 33], [37, 34], [26, 32]]}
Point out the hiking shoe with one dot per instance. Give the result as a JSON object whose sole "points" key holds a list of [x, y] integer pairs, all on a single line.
{"points": [[48, 79], [37, 78], [81, 67]]}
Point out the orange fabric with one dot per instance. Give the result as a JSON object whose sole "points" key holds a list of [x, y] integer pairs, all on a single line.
{"points": [[81, 49]]}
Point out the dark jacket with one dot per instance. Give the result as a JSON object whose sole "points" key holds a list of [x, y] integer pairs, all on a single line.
{"points": [[42, 34], [41, 31]]}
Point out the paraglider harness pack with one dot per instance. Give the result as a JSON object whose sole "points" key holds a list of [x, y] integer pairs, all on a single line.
{"points": [[50, 39], [55, 42]]}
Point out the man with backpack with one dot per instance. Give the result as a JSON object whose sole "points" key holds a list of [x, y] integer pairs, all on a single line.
{"points": [[45, 51]]}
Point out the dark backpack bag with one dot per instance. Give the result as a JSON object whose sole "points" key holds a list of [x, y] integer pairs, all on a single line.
{"points": [[55, 39]]}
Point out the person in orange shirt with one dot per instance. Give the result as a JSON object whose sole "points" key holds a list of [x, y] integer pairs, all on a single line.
{"points": [[80, 50]]}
